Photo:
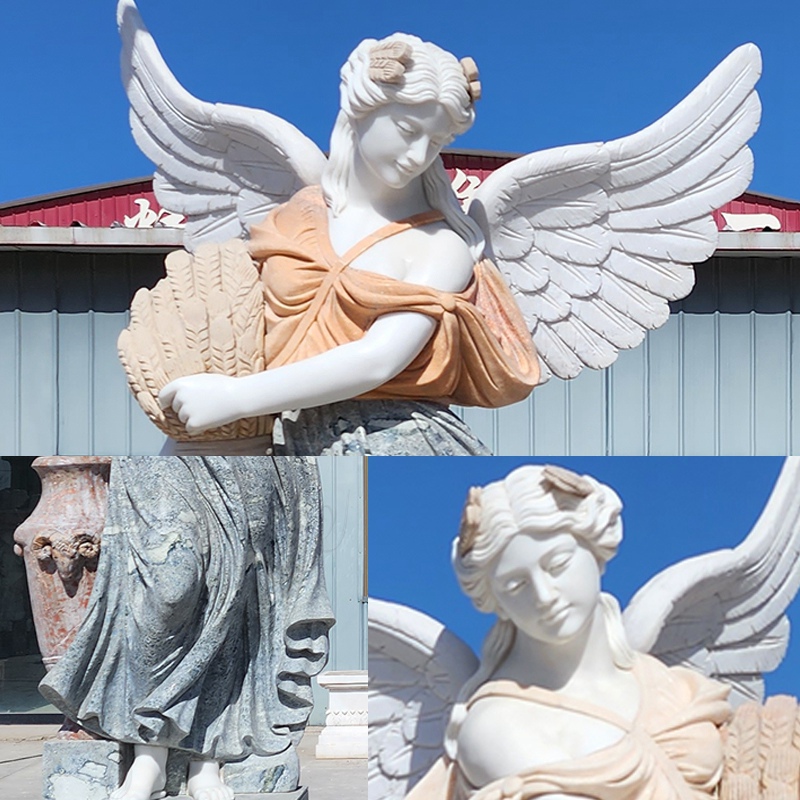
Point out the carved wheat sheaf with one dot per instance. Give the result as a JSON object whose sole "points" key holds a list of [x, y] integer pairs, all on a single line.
{"points": [[762, 752], [207, 315]]}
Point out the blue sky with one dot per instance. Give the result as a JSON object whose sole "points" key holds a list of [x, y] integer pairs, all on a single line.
{"points": [[553, 73], [674, 508]]}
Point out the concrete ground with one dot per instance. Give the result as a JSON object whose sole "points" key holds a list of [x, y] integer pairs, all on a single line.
{"points": [[21, 759]]}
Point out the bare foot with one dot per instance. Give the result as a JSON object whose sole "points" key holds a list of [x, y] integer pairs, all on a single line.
{"points": [[205, 782], [147, 776]]}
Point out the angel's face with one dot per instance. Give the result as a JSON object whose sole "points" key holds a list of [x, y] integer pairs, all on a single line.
{"points": [[398, 142], [548, 585]]}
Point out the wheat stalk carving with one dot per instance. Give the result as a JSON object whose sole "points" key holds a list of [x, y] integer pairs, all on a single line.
{"points": [[206, 315]]}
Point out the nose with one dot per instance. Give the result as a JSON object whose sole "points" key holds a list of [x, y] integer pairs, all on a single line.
{"points": [[419, 151], [544, 590]]}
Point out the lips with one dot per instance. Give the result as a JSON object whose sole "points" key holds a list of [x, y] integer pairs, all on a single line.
{"points": [[555, 615]]}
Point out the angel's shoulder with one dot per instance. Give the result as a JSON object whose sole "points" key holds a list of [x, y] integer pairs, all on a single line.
{"points": [[444, 260], [503, 733], [682, 685]]}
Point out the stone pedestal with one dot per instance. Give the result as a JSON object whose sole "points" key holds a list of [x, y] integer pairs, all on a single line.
{"points": [[259, 774], [83, 770], [345, 732], [92, 769]]}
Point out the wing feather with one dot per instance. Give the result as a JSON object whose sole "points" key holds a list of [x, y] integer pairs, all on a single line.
{"points": [[601, 232], [219, 165], [416, 667], [724, 612]]}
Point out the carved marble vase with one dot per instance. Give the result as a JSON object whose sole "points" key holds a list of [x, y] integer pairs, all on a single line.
{"points": [[60, 543]]}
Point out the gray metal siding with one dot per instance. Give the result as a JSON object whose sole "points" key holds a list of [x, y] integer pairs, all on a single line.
{"points": [[343, 553], [63, 390], [718, 378]]}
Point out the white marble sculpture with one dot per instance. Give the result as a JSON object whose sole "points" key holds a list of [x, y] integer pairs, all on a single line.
{"points": [[570, 697], [374, 328]]}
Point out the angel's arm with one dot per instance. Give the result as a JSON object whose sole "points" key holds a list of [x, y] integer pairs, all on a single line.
{"points": [[391, 343], [386, 349]]}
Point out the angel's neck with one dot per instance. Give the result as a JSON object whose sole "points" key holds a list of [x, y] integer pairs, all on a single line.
{"points": [[368, 194], [557, 665]]}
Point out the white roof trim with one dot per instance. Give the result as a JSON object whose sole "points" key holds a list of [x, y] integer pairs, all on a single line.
{"points": [[763, 243], [94, 239]]}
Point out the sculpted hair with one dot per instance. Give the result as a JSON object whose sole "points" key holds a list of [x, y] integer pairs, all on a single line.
{"points": [[431, 74], [538, 500]]}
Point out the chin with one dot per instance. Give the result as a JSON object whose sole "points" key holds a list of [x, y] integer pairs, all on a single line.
{"points": [[561, 631], [398, 180]]}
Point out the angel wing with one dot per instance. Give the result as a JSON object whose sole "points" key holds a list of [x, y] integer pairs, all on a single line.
{"points": [[416, 667], [595, 239], [222, 166], [723, 612]]}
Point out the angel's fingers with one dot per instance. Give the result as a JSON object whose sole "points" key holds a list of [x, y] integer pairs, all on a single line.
{"points": [[182, 411], [167, 395], [194, 430]]}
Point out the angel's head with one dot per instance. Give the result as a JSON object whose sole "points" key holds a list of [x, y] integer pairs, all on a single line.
{"points": [[401, 101], [532, 549]]}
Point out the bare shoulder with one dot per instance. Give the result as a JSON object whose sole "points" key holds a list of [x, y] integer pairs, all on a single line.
{"points": [[498, 737], [445, 262]]}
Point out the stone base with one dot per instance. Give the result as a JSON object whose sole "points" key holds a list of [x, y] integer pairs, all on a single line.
{"points": [[83, 770], [343, 742], [261, 774], [92, 769], [298, 794]]}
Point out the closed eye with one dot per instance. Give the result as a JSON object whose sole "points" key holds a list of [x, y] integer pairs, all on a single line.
{"points": [[559, 563], [515, 585], [406, 128]]}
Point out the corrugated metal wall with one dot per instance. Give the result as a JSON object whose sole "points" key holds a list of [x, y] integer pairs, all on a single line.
{"points": [[63, 390], [344, 540], [719, 378]]}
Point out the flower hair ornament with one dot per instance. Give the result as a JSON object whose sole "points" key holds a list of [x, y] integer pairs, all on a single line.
{"points": [[471, 74], [566, 481], [470, 521], [388, 61]]}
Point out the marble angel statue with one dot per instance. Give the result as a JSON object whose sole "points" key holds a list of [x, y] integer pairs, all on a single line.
{"points": [[365, 301], [570, 697]]}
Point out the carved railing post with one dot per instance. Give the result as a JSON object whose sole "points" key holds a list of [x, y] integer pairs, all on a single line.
{"points": [[60, 543]]}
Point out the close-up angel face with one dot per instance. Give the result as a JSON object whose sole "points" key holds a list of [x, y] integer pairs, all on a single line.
{"points": [[547, 585], [398, 142], [401, 101], [533, 546]]}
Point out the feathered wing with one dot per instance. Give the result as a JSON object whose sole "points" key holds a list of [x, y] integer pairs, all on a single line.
{"points": [[416, 667], [723, 613], [222, 166], [595, 239]]}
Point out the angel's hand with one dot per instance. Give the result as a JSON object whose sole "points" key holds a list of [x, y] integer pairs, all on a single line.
{"points": [[202, 401]]}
